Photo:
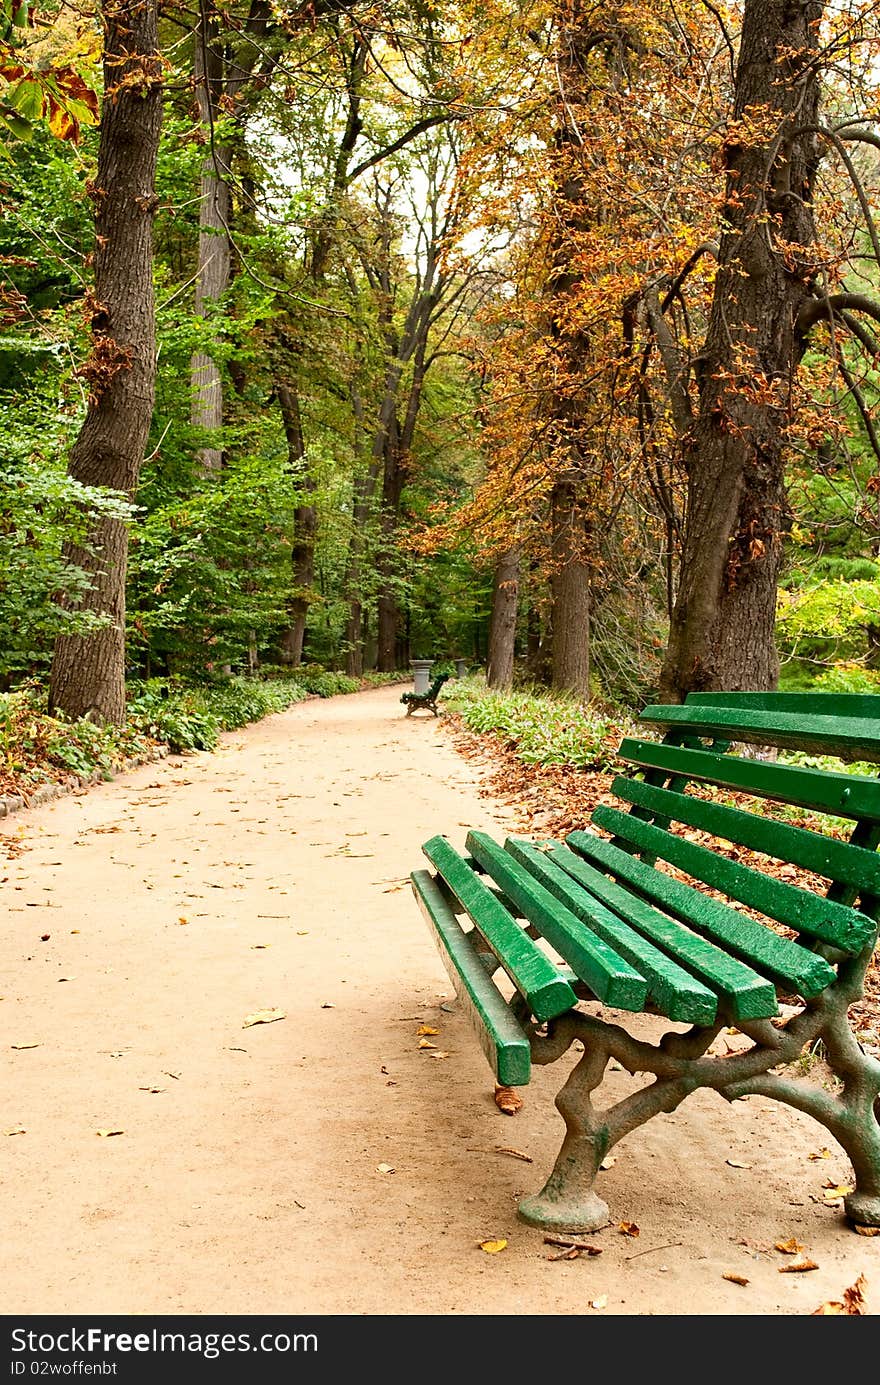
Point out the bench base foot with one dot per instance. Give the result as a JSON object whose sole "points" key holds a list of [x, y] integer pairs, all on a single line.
{"points": [[587, 1214], [863, 1208]]}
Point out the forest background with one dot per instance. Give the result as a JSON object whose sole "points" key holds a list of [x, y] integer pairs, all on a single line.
{"points": [[536, 333]]}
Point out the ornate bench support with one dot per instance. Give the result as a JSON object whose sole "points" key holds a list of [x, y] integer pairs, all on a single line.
{"points": [[680, 1065]]}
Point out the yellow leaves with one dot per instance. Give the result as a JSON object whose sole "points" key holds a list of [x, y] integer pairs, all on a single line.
{"points": [[263, 1017], [820, 1154], [628, 1228], [426, 1029], [852, 1305], [426, 1043], [834, 1192], [492, 1247]]}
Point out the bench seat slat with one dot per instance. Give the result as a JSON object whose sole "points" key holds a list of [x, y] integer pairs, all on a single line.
{"points": [[834, 923], [748, 995], [673, 990], [501, 1037], [863, 705], [852, 738], [609, 976], [836, 860], [817, 790], [544, 990], [787, 963]]}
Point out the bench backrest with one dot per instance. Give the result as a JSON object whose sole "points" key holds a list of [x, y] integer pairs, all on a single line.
{"points": [[436, 686], [676, 814]]}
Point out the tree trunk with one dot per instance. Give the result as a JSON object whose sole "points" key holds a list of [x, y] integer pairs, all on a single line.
{"points": [[302, 555], [722, 629], [502, 627], [212, 276], [88, 671], [570, 590]]}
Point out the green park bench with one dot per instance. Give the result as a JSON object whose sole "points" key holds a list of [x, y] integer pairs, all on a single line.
{"points": [[426, 700], [670, 914]]}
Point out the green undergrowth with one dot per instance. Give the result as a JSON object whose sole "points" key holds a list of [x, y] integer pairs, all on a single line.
{"points": [[541, 729]]}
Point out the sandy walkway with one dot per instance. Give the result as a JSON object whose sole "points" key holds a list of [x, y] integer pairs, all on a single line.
{"points": [[184, 897]]}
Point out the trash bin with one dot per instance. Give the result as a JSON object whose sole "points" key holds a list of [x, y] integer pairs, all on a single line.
{"points": [[421, 668], [460, 668]]}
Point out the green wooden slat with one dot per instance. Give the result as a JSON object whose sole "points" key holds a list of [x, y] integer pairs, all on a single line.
{"points": [[787, 963], [539, 983], [865, 706], [800, 909], [501, 1037], [818, 790], [673, 990], [749, 995], [839, 861], [610, 978], [851, 738]]}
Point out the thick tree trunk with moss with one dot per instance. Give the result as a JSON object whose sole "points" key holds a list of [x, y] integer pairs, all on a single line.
{"points": [[88, 671], [502, 626], [722, 629]]}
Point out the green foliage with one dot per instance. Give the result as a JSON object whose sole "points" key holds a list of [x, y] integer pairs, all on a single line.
{"points": [[539, 728], [191, 717], [42, 509]]}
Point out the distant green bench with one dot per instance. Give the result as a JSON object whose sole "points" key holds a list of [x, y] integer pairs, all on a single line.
{"points": [[428, 699], [599, 918]]}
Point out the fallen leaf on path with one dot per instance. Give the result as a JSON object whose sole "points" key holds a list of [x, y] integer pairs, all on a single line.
{"points": [[628, 1228], [833, 1192], [385, 1168], [264, 1017], [67, 978], [820, 1154], [798, 1267], [105, 1134], [866, 1230], [154, 1090], [609, 1161], [853, 1304], [737, 1164], [183, 920], [507, 1100], [600, 1302], [439, 1053], [736, 1279], [789, 1247], [492, 1247], [17, 1130], [20, 1047], [426, 1029]]}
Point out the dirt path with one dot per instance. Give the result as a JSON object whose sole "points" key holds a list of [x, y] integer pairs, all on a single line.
{"points": [[186, 896]]}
